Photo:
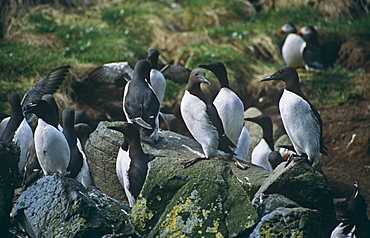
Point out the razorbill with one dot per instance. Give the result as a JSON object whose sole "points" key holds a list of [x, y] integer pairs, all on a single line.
{"points": [[141, 104], [311, 50], [132, 162], [225, 102], [261, 152], [202, 120], [355, 222], [301, 120], [52, 149], [291, 49], [17, 129]]}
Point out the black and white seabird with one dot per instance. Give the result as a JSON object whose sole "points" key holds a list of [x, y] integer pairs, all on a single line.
{"points": [[311, 50], [17, 129], [132, 162], [78, 167], [225, 102], [355, 223], [261, 152], [202, 120], [301, 120], [291, 49], [76, 160], [141, 104], [51, 146], [157, 80]]}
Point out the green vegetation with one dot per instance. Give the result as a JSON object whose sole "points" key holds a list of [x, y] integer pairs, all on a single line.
{"points": [[198, 31]]}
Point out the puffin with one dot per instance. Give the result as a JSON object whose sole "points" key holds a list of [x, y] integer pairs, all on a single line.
{"points": [[140, 102], [291, 48], [202, 119], [275, 158], [132, 162], [311, 50], [260, 154], [17, 129], [52, 149], [301, 120], [355, 222], [227, 101], [156, 78]]}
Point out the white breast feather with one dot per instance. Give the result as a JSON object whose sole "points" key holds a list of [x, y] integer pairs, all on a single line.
{"points": [[52, 148], [22, 137], [242, 147], [231, 111], [260, 155], [291, 50], [193, 111], [158, 83], [122, 167], [300, 124]]}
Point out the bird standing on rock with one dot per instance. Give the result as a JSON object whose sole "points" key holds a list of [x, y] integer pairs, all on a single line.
{"points": [[51, 146], [301, 120], [291, 49], [132, 162], [17, 129], [141, 104], [261, 152], [231, 111], [202, 120]]}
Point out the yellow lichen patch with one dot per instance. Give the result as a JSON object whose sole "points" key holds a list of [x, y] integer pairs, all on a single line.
{"points": [[184, 217], [140, 213], [214, 229]]}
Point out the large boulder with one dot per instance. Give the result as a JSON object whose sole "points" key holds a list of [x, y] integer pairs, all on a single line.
{"points": [[103, 145], [290, 222], [61, 207], [299, 182], [205, 198]]}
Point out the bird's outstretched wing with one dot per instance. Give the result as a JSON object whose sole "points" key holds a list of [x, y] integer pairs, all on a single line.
{"points": [[177, 74], [119, 73], [48, 85]]}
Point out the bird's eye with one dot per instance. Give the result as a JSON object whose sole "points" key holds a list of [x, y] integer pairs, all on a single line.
{"points": [[196, 74], [279, 71]]}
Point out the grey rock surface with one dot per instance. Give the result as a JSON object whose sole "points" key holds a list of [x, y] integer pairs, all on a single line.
{"points": [[61, 207]]}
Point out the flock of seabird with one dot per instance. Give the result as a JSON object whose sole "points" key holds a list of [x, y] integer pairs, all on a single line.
{"points": [[218, 125]]}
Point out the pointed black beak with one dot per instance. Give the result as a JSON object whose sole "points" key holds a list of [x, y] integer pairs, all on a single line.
{"points": [[269, 78]]}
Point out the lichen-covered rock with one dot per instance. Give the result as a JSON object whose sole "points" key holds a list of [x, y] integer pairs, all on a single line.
{"points": [[267, 203], [298, 181], [204, 199], [102, 149], [290, 222], [103, 145], [61, 207]]}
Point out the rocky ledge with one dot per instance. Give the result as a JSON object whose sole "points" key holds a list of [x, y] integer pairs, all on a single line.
{"points": [[211, 198]]}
